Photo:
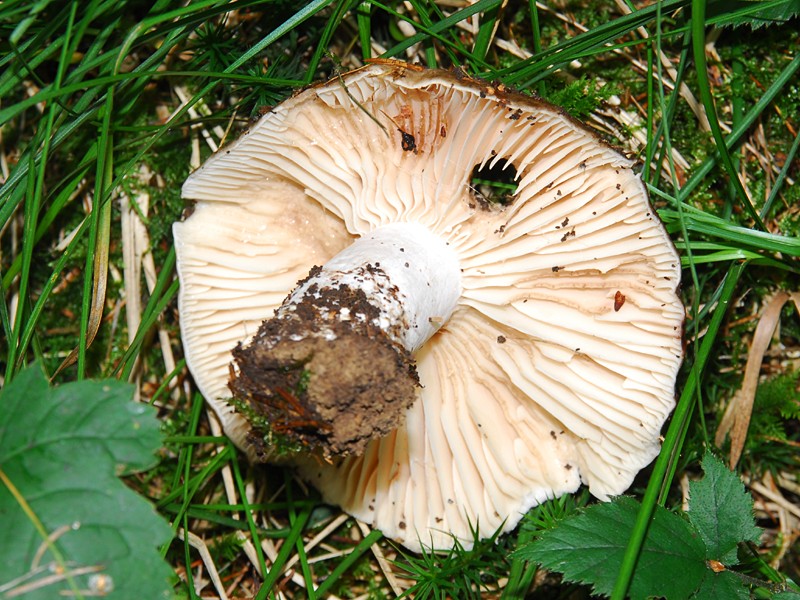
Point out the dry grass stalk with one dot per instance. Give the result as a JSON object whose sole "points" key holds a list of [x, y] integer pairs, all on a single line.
{"points": [[736, 419], [384, 564], [198, 544]]}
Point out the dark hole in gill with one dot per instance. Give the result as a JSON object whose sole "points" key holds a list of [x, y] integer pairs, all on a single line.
{"points": [[494, 186]]}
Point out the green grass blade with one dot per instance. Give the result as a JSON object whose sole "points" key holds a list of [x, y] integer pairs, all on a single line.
{"points": [[96, 269], [31, 212], [342, 7], [527, 72], [364, 22], [486, 30], [736, 135], [424, 10], [704, 87], [536, 32], [39, 306], [276, 569], [444, 25], [664, 468], [777, 187], [521, 572], [341, 568], [248, 511], [182, 468], [155, 306]]}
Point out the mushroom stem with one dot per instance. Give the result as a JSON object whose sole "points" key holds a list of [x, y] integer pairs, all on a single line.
{"points": [[334, 367]]}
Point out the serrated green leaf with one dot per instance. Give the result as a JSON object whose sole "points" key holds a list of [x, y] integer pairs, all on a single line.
{"points": [[775, 14], [722, 585], [722, 511], [755, 13], [61, 450], [589, 547], [787, 595]]}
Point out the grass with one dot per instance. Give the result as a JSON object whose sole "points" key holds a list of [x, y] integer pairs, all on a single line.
{"points": [[105, 107]]}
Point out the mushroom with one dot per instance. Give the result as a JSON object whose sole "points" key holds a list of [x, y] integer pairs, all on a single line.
{"points": [[445, 362]]}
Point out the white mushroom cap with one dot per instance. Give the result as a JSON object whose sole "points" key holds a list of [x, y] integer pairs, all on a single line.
{"points": [[558, 364]]}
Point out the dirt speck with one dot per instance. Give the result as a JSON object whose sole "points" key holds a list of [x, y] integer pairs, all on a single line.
{"points": [[619, 300]]}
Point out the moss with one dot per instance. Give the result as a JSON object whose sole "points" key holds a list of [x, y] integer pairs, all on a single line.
{"points": [[773, 433], [582, 96], [276, 445]]}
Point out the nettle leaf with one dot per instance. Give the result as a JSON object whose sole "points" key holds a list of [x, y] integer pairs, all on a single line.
{"points": [[722, 511], [722, 585], [589, 547], [61, 450], [673, 564], [755, 13]]}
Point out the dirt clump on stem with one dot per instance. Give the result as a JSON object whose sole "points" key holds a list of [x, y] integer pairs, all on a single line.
{"points": [[328, 383]]}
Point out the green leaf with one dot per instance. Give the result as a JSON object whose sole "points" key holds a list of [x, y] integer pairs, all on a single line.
{"points": [[722, 585], [755, 13], [70, 526], [589, 547], [722, 511]]}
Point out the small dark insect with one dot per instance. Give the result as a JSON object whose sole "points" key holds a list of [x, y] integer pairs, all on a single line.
{"points": [[619, 300], [408, 143]]}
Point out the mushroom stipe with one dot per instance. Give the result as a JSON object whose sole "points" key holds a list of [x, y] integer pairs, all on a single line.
{"points": [[448, 364]]}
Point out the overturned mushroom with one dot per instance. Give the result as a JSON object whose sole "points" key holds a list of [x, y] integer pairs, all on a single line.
{"points": [[445, 362]]}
